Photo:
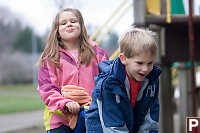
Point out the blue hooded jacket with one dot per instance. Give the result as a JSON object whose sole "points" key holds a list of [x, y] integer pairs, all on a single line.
{"points": [[111, 110]]}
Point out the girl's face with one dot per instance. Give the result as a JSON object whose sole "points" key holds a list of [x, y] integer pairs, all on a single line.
{"points": [[69, 27], [138, 67]]}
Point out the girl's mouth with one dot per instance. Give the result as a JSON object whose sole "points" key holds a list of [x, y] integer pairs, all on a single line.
{"points": [[70, 30]]}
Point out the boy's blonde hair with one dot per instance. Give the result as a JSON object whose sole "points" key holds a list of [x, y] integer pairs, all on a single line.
{"points": [[137, 40]]}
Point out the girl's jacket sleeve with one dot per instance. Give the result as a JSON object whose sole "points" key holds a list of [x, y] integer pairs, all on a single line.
{"points": [[101, 54], [49, 89]]}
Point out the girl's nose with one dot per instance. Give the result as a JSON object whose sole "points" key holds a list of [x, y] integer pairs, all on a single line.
{"points": [[69, 24]]}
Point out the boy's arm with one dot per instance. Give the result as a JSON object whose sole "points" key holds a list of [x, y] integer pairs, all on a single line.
{"points": [[109, 126], [110, 106], [151, 124], [104, 115]]}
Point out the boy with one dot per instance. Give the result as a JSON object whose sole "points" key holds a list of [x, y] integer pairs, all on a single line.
{"points": [[125, 98]]}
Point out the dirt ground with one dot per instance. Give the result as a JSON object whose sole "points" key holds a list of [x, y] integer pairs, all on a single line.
{"points": [[35, 129]]}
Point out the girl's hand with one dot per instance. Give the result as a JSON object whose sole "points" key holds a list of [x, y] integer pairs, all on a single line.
{"points": [[73, 107]]}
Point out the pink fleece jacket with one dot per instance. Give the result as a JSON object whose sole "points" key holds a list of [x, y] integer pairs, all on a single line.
{"points": [[51, 80]]}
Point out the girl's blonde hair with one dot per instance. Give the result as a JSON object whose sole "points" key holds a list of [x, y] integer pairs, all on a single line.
{"points": [[137, 40], [51, 51]]}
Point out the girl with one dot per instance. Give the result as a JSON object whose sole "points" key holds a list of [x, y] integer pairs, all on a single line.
{"points": [[69, 58]]}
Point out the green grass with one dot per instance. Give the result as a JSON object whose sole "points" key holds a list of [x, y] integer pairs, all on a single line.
{"points": [[19, 98]]}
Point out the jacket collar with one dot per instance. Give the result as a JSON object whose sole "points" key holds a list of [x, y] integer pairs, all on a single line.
{"points": [[115, 71], [119, 72]]}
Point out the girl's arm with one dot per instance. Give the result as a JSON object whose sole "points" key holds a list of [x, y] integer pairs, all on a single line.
{"points": [[49, 89], [101, 54]]}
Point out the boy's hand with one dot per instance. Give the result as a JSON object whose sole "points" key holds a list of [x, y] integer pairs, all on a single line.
{"points": [[73, 107]]}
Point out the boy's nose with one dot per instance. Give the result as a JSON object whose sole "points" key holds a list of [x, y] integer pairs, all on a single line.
{"points": [[145, 68]]}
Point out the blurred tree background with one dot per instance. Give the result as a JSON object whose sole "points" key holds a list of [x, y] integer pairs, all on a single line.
{"points": [[20, 48], [23, 41], [16, 49]]}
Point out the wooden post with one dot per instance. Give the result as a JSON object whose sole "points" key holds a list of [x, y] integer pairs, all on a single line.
{"points": [[166, 119], [139, 7], [166, 91], [185, 102]]}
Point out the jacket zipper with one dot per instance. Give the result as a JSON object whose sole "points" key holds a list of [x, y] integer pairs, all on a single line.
{"points": [[77, 65]]}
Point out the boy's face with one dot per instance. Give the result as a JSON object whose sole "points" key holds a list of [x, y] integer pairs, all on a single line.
{"points": [[138, 67]]}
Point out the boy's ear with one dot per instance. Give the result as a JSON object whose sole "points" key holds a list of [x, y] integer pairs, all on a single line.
{"points": [[122, 58]]}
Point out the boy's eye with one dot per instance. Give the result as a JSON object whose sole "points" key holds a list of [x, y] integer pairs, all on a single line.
{"points": [[150, 63], [139, 63]]}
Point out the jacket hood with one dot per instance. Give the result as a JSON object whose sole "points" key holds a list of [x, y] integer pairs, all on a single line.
{"points": [[113, 67], [114, 75]]}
